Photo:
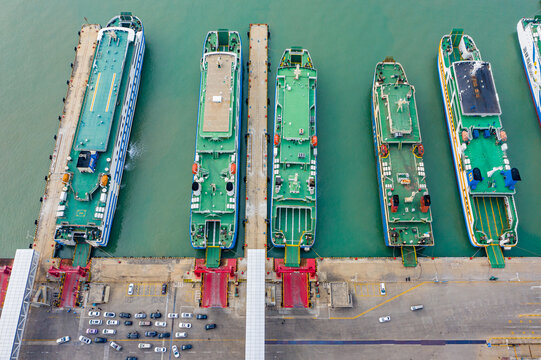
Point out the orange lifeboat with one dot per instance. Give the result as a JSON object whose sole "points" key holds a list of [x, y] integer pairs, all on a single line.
{"points": [[195, 168], [104, 180], [276, 139], [65, 178], [383, 150], [233, 168], [313, 141], [419, 150], [503, 136]]}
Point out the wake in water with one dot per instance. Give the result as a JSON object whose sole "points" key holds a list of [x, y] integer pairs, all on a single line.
{"points": [[135, 151]]}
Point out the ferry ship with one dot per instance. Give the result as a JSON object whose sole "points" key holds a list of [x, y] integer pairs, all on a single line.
{"points": [[405, 201], [485, 177], [528, 32], [215, 186], [294, 180], [93, 172]]}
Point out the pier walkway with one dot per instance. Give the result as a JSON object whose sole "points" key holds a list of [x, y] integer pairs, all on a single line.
{"points": [[256, 192], [44, 237]]}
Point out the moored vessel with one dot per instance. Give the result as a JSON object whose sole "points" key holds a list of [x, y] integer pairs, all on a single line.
{"points": [[528, 32]]}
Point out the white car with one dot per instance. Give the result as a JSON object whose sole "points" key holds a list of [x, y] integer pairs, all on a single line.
{"points": [[85, 340], [416, 307], [130, 289], [140, 315], [382, 290], [144, 346], [95, 322], [384, 319], [92, 331], [185, 325], [181, 334], [115, 346], [109, 331], [160, 349], [186, 315], [172, 315], [93, 313], [63, 340], [160, 323], [109, 314], [174, 349], [112, 322]]}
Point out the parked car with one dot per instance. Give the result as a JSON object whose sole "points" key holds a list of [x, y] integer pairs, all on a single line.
{"points": [[145, 323], [186, 315], [131, 358], [133, 335], [185, 325], [156, 315], [63, 340], [130, 289], [382, 290], [174, 350], [85, 340], [93, 313], [115, 346], [151, 334], [416, 307], [144, 346], [160, 349], [172, 315], [140, 315], [384, 319], [91, 331], [201, 317], [181, 334], [164, 289], [109, 331], [112, 322], [100, 340], [124, 315], [160, 323], [210, 326], [95, 322], [109, 314], [128, 323], [186, 347], [164, 335]]}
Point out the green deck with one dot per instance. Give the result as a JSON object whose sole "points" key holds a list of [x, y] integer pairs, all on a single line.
{"points": [[294, 174], [81, 254], [401, 169], [213, 214], [482, 141]]}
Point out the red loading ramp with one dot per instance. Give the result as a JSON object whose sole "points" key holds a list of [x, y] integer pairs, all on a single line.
{"points": [[214, 292], [71, 283], [295, 290]]}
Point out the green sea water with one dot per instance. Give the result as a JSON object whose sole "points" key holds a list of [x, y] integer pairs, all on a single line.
{"points": [[346, 39]]}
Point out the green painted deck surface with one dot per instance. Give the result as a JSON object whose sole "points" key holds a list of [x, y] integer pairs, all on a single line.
{"points": [[81, 254], [495, 256], [409, 256], [213, 220], [212, 256], [402, 170], [294, 178]]}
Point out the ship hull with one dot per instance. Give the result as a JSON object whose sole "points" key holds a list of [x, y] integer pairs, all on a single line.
{"points": [[532, 67]]}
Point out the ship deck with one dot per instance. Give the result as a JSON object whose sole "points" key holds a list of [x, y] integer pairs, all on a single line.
{"points": [[217, 98]]}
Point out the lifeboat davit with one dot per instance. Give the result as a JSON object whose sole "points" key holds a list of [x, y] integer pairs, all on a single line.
{"points": [[313, 141], [104, 180], [233, 168], [195, 168], [276, 139]]}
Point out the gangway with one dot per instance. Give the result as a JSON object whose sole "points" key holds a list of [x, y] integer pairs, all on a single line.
{"points": [[495, 256]]}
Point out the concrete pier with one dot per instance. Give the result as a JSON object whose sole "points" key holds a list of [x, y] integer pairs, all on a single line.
{"points": [[44, 237]]}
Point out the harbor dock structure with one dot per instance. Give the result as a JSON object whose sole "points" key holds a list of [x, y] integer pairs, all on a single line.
{"points": [[404, 197], [528, 32], [215, 186], [256, 192], [94, 168], [45, 230], [294, 179], [485, 177]]}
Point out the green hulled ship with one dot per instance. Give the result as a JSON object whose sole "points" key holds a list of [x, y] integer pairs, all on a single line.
{"points": [[294, 190], [485, 177], [214, 210], [405, 201]]}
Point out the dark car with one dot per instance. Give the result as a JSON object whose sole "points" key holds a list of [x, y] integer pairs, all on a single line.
{"points": [[124, 315], [164, 289], [210, 326], [151, 334], [186, 347], [164, 335], [133, 335], [201, 317], [131, 358], [128, 323], [156, 315], [100, 340]]}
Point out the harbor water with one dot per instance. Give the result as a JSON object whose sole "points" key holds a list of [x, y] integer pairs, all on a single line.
{"points": [[346, 39]]}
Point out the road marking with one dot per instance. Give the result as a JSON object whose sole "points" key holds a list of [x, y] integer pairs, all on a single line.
{"points": [[528, 315], [110, 92], [95, 91], [383, 303]]}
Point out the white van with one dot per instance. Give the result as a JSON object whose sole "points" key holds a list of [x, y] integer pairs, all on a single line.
{"points": [[416, 307], [144, 346]]}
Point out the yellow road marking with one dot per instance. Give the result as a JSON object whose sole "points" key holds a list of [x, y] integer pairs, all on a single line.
{"points": [[383, 303], [500, 213], [488, 222], [110, 92], [528, 315], [494, 217], [95, 91], [479, 211]]}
